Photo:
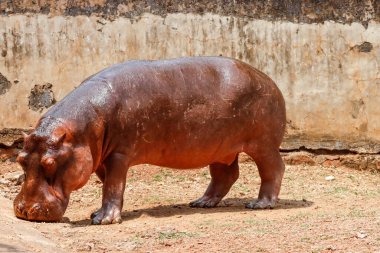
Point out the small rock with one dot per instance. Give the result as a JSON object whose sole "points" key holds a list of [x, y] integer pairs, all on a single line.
{"points": [[331, 248], [86, 247], [102, 21], [361, 235], [329, 178], [299, 158], [65, 220], [4, 181], [90, 245], [20, 179], [13, 176]]}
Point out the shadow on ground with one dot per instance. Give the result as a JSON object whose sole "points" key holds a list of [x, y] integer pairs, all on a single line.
{"points": [[226, 206], [9, 248]]}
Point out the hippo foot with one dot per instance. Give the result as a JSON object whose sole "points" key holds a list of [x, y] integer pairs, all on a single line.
{"points": [[205, 202], [105, 216], [262, 204]]}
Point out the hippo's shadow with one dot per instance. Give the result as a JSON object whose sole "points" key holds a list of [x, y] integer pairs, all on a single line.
{"points": [[9, 248], [226, 206]]}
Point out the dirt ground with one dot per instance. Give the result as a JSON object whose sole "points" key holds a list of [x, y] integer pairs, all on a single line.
{"points": [[322, 209]]}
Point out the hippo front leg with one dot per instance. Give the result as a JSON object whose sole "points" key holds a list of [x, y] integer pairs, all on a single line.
{"points": [[116, 168]]}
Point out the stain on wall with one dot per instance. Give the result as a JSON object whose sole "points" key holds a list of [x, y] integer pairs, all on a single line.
{"points": [[357, 108], [365, 47], [5, 85], [41, 97]]}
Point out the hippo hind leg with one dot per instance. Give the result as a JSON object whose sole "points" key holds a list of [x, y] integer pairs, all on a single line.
{"points": [[271, 169], [222, 178]]}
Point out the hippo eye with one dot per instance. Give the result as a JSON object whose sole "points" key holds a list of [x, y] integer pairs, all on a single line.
{"points": [[49, 164]]}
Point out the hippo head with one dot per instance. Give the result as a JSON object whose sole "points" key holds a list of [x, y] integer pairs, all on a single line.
{"points": [[53, 167]]}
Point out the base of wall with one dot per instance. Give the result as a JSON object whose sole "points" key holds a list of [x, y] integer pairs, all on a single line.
{"points": [[11, 142]]}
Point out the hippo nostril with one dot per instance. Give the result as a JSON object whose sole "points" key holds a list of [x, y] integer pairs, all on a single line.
{"points": [[20, 207], [34, 209], [36, 206], [24, 213]]}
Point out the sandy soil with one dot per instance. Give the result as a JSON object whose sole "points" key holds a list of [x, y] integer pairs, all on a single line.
{"points": [[313, 215]]}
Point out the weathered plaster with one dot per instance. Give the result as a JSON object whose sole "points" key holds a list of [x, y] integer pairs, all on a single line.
{"points": [[329, 72]]}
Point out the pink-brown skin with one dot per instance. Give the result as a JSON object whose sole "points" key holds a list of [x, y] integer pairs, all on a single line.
{"points": [[183, 113]]}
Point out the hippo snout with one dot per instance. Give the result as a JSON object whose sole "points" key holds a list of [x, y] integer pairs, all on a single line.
{"points": [[38, 211]]}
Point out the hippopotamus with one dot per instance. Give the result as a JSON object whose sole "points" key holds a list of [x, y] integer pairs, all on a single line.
{"points": [[179, 113]]}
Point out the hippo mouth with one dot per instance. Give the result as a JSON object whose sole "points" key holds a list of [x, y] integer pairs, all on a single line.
{"points": [[39, 211]]}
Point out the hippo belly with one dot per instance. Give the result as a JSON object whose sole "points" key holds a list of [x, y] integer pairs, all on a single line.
{"points": [[190, 140]]}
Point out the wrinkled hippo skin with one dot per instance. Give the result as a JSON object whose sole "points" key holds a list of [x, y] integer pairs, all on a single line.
{"points": [[182, 113]]}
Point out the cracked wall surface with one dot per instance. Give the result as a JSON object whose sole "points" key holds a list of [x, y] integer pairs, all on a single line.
{"points": [[329, 72]]}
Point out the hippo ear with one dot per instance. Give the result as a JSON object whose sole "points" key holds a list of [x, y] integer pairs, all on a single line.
{"points": [[58, 140]]}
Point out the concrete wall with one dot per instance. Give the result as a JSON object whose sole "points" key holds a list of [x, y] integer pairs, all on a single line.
{"points": [[327, 62]]}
